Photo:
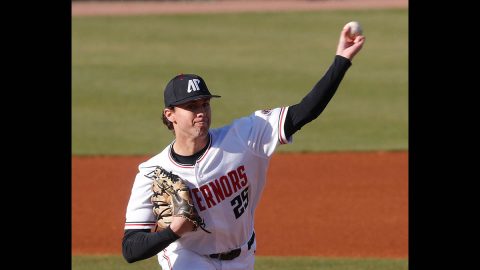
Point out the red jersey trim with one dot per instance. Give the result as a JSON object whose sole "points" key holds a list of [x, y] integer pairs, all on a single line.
{"points": [[281, 122], [198, 160]]}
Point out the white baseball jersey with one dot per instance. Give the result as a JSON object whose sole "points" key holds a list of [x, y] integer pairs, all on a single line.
{"points": [[226, 182]]}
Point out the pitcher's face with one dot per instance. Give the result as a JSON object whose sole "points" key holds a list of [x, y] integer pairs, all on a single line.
{"points": [[191, 119]]}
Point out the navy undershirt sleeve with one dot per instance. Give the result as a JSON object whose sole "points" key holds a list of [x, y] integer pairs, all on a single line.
{"points": [[317, 99], [142, 244]]}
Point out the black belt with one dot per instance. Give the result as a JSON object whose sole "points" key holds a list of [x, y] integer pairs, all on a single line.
{"points": [[227, 256]]}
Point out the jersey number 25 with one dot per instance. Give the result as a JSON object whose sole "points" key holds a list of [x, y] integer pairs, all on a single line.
{"points": [[240, 203]]}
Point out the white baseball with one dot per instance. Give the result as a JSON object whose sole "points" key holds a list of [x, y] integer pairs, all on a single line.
{"points": [[355, 29]]}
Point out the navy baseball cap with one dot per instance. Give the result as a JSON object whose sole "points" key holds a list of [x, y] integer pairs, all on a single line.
{"points": [[184, 88]]}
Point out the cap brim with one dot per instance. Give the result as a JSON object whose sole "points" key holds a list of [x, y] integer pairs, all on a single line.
{"points": [[185, 100]]}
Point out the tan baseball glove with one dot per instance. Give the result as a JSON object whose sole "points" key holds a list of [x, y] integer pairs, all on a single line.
{"points": [[171, 197]]}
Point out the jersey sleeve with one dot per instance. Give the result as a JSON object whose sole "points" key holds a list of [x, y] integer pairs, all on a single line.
{"points": [[139, 213], [264, 130]]}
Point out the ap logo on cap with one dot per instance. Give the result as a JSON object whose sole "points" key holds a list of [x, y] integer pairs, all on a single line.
{"points": [[193, 85]]}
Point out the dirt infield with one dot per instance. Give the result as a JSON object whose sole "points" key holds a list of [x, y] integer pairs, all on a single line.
{"points": [[90, 8], [327, 204]]}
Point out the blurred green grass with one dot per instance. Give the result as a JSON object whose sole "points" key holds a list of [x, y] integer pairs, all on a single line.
{"points": [[116, 262], [120, 66]]}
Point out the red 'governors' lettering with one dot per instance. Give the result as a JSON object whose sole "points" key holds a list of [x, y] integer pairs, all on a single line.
{"points": [[233, 176], [216, 191], [243, 176], [207, 194], [227, 189], [198, 199]]}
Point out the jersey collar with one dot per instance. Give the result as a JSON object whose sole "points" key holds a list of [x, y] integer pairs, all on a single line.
{"points": [[200, 158]]}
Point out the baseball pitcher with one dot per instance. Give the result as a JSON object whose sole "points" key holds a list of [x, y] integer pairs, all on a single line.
{"points": [[193, 204]]}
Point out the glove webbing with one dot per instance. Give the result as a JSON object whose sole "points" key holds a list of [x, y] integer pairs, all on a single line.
{"points": [[199, 222]]}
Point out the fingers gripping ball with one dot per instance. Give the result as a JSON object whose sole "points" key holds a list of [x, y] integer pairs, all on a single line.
{"points": [[355, 29], [171, 197]]}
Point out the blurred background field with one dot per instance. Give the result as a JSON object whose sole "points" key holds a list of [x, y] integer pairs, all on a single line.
{"points": [[107, 262], [257, 60]]}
